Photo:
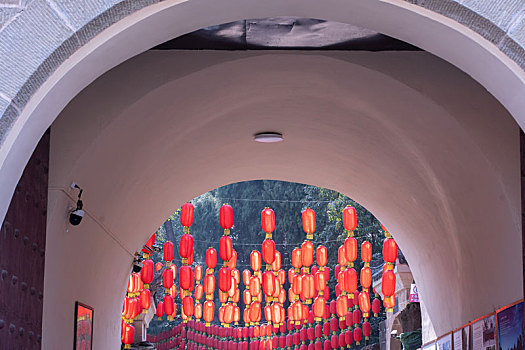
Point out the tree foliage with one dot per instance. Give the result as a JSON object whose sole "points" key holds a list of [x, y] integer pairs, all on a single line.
{"points": [[287, 200]]}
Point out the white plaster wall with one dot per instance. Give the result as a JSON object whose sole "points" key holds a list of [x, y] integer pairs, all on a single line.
{"points": [[416, 141]]}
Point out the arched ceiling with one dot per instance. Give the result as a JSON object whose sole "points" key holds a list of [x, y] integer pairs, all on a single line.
{"points": [[419, 143]]}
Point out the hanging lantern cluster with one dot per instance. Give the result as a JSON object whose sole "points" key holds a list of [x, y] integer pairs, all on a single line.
{"points": [[229, 277], [273, 278], [208, 308], [388, 280], [186, 252], [346, 317], [253, 313]]}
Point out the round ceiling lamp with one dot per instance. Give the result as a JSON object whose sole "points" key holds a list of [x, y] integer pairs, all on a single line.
{"points": [[268, 137]]}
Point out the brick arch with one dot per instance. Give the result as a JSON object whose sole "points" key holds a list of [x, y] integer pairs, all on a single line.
{"points": [[37, 36]]}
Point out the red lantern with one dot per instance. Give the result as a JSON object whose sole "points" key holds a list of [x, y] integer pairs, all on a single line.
{"points": [[255, 312], [342, 257], [186, 246], [366, 330], [342, 306], [160, 310], [366, 278], [308, 216], [297, 262], [349, 219], [168, 252], [168, 306], [334, 341], [350, 280], [145, 299], [268, 220], [209, 286], [388, 283], [186, 215], [255, 286], [358, 335], [174, 269], [376, 307], [167, 279], [246, 297], [389, 302], [342, 340], [297, 310], [187, 306], [226, 217], [318, 308], [269, 283], [255, 261], [321, 256], [277, 313], [198, 273], [320, 281], [225, 248], [349, 337], [366, 253], [198, 311], [232, 264], [351, 249], [225, 279], [297, 284], [268, 251], [364, 303], [158, 267], [211, 258], [276, 265], [186, 278], [356, 316], [308, 288], [146, 273], [246, 275], [128, 335], [307, 253], [282, 296], [389, 250]]}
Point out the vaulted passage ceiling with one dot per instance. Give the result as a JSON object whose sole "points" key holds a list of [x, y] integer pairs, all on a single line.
{"points": [[286, 33]]}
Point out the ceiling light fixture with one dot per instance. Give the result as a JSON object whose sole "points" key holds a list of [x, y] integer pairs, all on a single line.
{"points": [[268, 137]]}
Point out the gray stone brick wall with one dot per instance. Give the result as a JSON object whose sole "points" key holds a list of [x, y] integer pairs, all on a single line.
{"points": [[36, 36]]}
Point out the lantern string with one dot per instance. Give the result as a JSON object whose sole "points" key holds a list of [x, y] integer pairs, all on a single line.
{"points": [[272, 200], [279, 244]]}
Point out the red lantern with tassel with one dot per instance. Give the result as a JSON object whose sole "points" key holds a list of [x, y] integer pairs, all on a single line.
{"points": [[186, 216], [308, 217], [211, 258], [147, 272], [268, 221], [168, 252], [226, 218], [321, 256], [366, 253], [349, 220], [225, 248], [225, 280], [268, 251], [128, 335]]}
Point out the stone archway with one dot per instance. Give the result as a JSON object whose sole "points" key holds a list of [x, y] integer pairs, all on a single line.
{"points": [[50, 60], [165, 127]]}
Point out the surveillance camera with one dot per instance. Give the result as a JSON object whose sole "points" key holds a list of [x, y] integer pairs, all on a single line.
{"points": [[76, 214], [75, 217]]}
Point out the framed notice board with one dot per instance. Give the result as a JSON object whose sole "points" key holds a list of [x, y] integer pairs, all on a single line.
{"points": [[83, 327]]}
